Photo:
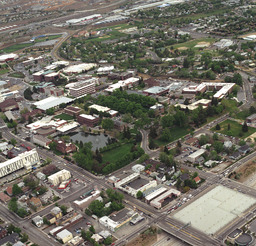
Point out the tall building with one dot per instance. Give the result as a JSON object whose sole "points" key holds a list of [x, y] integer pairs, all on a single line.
{"points": [[24, 160], [83, 88]]}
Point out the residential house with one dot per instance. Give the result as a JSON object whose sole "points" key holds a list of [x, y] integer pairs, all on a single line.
{"points": [[51, 218], [244, 149], [197, 179], [38, 221], [236, 155], [36, 202], [9, 190], [56, 211]]}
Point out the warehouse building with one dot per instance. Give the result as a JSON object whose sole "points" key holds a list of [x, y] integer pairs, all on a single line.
{"points": [[196, 155], [59, 177], [79, 68], [92, 195], [52, 102], [24, 160], [155, 194], [124, 84], [165, 198], [134, 183], [64, 236]]}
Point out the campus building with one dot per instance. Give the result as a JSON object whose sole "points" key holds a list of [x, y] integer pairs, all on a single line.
{"points": [[24, 160]]}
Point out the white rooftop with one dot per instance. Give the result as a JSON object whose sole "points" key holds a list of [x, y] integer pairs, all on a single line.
{"points": [[99, 108], [51, 102], [63, 234], [79, 68], [67, 127], [212, 211], [87, 116]]}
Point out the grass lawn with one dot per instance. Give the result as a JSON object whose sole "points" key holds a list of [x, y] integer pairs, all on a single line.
{"points": [[242, 115], [190, 44], [115, 34], [3, 71], [115, 154], [117, 27], [17, 75], [176, 133], [16, 47], [64, 117], [235, 129]]}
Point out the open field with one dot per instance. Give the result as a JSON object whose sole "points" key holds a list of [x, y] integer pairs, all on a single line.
{"points": [[176, 133], [115, 34], [20, 46], [17, 75], [115, 154], [64, 117], [235, 129], [192, 43]]}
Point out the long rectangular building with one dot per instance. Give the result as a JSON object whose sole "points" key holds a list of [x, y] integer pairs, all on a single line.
{"points": [[157, 203], [24, 160], [155, 194], [83, 88]]}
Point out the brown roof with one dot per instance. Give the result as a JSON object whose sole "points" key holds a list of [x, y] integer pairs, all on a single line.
{"points": [[8, 103], [9, 190], [151, 82], [4, 198], [75, 109]]}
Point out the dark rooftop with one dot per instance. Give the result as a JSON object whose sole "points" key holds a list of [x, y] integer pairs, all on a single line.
{"points": [[13, 238], [235, 233], [119, 216], [137, 183], [244, 239]]}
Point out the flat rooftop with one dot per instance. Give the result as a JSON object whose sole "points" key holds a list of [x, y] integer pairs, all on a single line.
{"points": [[215, 209], [137, 183], [119, 216]]}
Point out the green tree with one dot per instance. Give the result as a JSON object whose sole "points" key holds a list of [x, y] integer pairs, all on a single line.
{"points": [[166, 135], [24, 238], [217, 127], [13, 141], [108, 241], [139, 194], [245, 127], [16, 190], [107, 124], [91, 229], [63, 209]]}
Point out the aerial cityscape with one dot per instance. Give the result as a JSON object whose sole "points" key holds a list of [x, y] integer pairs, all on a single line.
{"points": [[127, 122]]}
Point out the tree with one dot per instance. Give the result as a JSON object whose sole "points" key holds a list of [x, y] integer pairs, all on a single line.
{"points": [[63, 209], [16, 190], [46, 221], [91, 229], [217, 127], [24, 238], [13, 141], [107, 124], [12, 205], [139, 194], [50, 111], [53, 146], [245, 127], [28, 94], [166, 135], [108, 241]]}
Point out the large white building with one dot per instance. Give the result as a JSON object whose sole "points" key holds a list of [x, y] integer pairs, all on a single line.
{"points": [[124, 84], [24, 160], [83, 88], [79, 68], [124, 184], [59, 177]]}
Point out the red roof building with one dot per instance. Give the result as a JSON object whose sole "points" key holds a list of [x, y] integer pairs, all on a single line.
{"points": [[65, 148], [8, 104], [197, 179]]}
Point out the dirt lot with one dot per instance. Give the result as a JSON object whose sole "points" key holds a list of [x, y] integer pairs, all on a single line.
{"points": [[143, 240], [247, 173]]}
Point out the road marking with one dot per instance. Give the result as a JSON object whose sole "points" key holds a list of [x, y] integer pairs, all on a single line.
{"points": [[184, 231]]}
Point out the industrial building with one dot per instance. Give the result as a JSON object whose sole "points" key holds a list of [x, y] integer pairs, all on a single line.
{"points": [[82, 88], [64, 236], [89, 120], [165, 198], [117, 220], [24, 160], [196, 155], [84, 20], [59, 177], [90, 196], [156, 90], [134, 183], [52, 102], [8, 57], [155, 194]]}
